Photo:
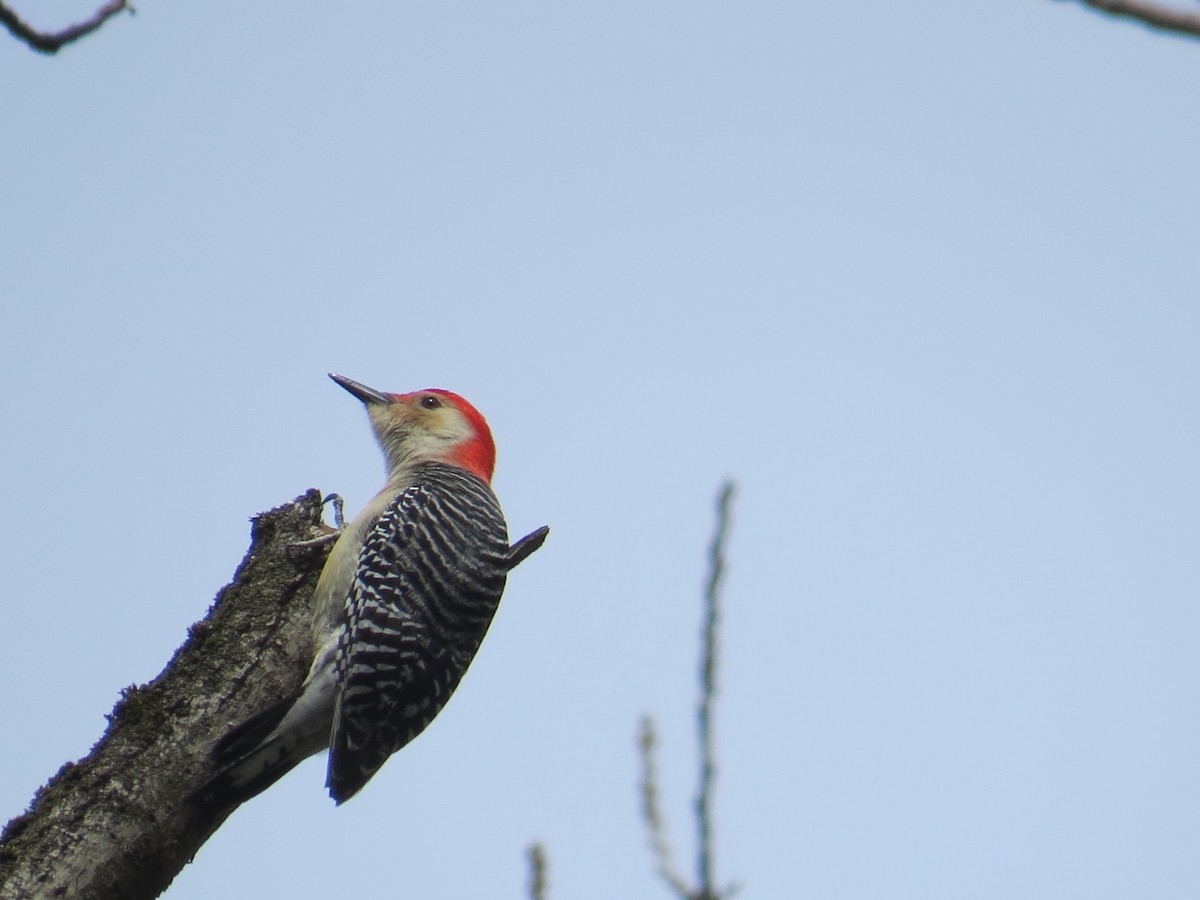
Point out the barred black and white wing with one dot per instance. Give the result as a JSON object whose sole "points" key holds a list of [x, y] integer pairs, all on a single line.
{"points": [[429, 580]]}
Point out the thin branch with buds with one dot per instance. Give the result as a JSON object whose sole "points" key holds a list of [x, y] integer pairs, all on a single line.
{"points": [[705, 888], [708, 690], [659, 847]]}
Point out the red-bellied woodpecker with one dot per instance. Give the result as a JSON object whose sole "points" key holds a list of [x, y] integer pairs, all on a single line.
{"points": [[403, 603]]}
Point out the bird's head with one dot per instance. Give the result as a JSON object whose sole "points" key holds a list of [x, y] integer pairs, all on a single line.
{"points": [[427, 426]]}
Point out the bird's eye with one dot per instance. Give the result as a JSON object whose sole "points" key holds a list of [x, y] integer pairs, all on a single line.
{"points": [[430, 402]]}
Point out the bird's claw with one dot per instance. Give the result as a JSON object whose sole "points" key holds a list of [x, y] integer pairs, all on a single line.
{"points": [[332, 533], [339, 509]]}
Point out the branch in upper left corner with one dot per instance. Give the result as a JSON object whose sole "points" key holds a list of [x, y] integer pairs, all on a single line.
{"points": [[50, 42]]}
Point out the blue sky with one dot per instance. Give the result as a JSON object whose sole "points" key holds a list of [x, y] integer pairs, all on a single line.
{"points": [[922, 277]]}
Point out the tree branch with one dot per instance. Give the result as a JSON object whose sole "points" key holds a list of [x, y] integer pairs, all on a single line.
{"points": [[708, 691], [652, 815], [117, 825], [647, 740], [537, 871], [51, 42], [1155, 15]]}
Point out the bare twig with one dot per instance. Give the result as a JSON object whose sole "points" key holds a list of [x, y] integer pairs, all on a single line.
{"points": [[537, 872], [708, 691], [1155, 15], [647, 741], [51, 42], [705, 889]]}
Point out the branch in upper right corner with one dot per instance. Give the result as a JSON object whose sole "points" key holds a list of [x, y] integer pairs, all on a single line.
{"points": [[1155, 15]]}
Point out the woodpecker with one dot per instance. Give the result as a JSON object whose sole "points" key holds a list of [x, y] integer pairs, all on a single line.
{"points": [[402, 604]]}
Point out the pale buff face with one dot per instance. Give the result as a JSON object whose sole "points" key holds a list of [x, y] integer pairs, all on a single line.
{"points": [[419, 426]]}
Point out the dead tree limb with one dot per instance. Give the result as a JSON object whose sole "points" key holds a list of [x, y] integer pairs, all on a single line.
{"points": [[51, 42], [117, 825], [1155, 15]]}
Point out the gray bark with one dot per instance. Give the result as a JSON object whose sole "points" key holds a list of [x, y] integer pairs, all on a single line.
{"points": [[117, 825]]}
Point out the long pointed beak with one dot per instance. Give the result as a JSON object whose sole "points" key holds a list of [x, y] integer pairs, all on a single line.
{"points": [[361, 391]]}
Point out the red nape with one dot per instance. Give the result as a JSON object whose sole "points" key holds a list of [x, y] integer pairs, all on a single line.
{"points": [[478, 456]]}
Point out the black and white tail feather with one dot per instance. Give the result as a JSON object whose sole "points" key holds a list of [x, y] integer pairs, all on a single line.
{"points": [[429, 579]]}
